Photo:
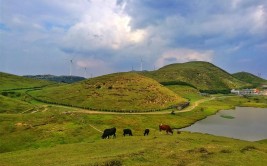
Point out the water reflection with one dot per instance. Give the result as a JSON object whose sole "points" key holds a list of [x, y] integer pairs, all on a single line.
{"points": [[242, 123]]}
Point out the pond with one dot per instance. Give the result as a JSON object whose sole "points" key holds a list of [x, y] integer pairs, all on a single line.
{"points": [[243, 123]]}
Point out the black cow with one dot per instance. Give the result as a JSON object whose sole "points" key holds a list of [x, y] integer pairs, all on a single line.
{"points": [[146, 132], [127, 131], [109, 132]]}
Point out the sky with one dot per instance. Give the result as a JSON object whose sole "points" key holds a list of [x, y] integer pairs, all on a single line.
{"points": [[106, 36]]}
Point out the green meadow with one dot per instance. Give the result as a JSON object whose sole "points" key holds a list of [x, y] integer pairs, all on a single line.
{"points": [[200, 75], [120, 92], [60, 135], [9, 81], [46, 124]]}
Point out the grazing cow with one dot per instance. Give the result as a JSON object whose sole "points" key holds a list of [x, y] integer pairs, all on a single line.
{"points": [[109, 132], [165, 127], [127, 131], [146, 132]]}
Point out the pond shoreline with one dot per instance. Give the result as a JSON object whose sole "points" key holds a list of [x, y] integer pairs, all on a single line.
{"points": [[248, 125]]}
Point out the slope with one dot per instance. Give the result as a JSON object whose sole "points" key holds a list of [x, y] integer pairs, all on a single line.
{"points": [[250, 78], [201, 75], [10, 105], [61, 79], [10, 81], [115, 92]]}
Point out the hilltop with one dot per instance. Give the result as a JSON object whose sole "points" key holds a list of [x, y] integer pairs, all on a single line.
{"points": [[200, 75], [60, 79], [250, 78], [10, 81], [114, 92]]}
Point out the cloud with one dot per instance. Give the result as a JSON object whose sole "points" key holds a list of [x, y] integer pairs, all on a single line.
{"points": [[103, 25], [183, 55], [93, 66], [116, 34], [90, 63]]}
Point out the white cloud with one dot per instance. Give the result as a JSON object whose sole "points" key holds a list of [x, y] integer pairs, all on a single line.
{"points": [[103, 25], [94, 66], [258, 16], [90, 63], [183, 55], [235, 3]]}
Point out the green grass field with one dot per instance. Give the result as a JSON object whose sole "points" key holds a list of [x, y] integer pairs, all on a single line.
{"points": [[10, 105], [202, 75], [187, 92], [9, 81], [36, 133], [126, 92], [56, 135], [156, 149], [250, 78]]}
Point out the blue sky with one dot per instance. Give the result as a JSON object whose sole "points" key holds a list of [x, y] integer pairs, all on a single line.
{"points": [[106, 36]]}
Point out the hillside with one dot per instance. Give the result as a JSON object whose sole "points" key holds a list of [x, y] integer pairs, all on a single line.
{"points": [[201, 75], [61, 79], [114, 92], [10, 105], [62, 136], [10, 81], [250, 78]]}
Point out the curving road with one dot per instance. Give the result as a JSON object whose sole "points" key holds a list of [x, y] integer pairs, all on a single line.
{"points": [[190, 108]]}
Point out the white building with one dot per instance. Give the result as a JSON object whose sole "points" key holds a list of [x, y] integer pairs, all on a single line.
{"points": [[246, 92]]}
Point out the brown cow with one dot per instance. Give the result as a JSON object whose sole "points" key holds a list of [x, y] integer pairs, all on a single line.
{"points": [[165, 127]]}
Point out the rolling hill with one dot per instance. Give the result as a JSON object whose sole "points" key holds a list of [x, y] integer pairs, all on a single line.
{"points": [[10, 105], [114, 92], [10, 81], [201, 75], [250, 78], [61, 79]]}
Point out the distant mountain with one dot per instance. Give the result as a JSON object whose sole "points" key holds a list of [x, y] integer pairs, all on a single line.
{"points": [[250, 78], [62, 79], [201, 75], [119, 92], [10, 81]]}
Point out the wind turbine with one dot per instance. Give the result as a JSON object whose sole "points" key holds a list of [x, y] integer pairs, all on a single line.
{"points": [[85, 72], [141, 66], [71, 63]]}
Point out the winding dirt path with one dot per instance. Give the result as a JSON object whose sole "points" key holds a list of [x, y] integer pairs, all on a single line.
{"points": [[190, 108]]}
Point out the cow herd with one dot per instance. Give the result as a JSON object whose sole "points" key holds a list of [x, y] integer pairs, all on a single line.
{"points": [[112, 131]]}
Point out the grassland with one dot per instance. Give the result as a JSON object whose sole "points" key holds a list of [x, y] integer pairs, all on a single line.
{"points": [[126, 92], [53, 125], [187, 92], [36, 133], [201, 75], [159, 149], [250, 78], [10, 105], [9, 81]]}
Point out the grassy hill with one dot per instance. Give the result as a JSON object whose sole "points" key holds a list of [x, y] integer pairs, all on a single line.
{"points": [[61, 79], [119, 92], [250, 78], [9, 81], [201, 75], [187, 92], [10, 105]]}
